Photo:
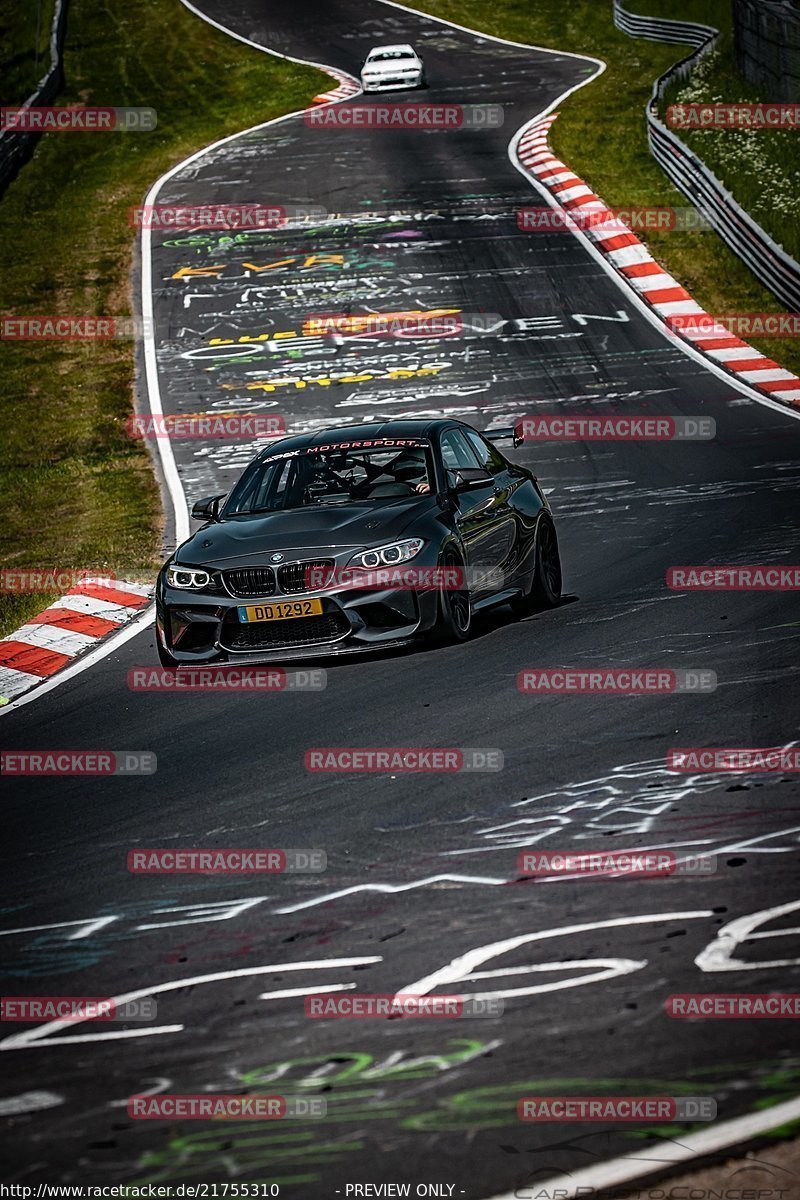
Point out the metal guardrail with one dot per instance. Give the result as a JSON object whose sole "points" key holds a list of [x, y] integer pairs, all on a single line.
{"points": [[768, 261], [17, 146], [662, 29]]}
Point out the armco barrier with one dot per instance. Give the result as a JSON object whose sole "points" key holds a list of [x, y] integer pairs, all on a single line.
{"points": [[768, 261], [658, 29], [15, 146]]}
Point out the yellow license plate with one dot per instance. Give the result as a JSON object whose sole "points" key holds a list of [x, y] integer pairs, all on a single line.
{"points": [[279, 610]]}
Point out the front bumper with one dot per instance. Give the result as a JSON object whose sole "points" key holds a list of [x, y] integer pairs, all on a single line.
{"points": [[391, 85], [201, 627]]}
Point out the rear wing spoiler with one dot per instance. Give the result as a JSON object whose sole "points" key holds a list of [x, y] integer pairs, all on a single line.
{"points": [[508, 433]]}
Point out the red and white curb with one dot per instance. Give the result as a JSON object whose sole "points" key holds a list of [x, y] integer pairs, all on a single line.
{"points": [[634, 262], [347, 87], [73, 625]]}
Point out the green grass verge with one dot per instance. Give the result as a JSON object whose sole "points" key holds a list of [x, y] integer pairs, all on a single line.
{"points": [[78, 492], [761, 168], [24, 58], [601, 132]]}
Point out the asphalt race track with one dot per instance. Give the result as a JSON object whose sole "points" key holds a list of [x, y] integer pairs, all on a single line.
{"points": [[422, 869]]}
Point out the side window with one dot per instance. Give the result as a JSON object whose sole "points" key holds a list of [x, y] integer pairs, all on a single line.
{"points": [[456, 451], [488, 457], [271, 492]]}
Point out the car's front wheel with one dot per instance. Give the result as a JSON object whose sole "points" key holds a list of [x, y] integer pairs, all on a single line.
{"points": [[455, 606], [545, 589]]}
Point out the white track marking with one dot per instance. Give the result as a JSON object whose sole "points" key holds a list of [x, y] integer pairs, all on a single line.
{"points": [[288, 993], [89, 927], [38, 1037], [390, 889], [461, 967], [721, 1136], [25, 1102], [717, 956]]}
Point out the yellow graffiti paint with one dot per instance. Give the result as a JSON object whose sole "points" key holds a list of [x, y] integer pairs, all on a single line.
{"points": [[272, 385], [184, 272]]}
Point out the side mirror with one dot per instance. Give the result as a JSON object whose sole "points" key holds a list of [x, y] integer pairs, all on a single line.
{"points": [[466, 478], [208, 508]]}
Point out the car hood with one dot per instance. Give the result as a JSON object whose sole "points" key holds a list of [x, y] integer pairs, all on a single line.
{"points": [[251, 539], [392, 67]]}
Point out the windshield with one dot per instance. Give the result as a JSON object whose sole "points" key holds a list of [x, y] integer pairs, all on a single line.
{"points": [[389, 55], [334, 475]]}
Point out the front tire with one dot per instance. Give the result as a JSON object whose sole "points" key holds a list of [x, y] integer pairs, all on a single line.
{"points": [[454, 622], [545, 589]]}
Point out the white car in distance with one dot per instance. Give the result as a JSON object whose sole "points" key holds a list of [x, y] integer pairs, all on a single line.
{"points": [[390, 67]]}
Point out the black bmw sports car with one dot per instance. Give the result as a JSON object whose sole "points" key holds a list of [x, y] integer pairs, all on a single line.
{"points": [[355, 538]]}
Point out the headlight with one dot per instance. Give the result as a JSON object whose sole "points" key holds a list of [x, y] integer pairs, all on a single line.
{"points": [[387, 556], [189, 578]]}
